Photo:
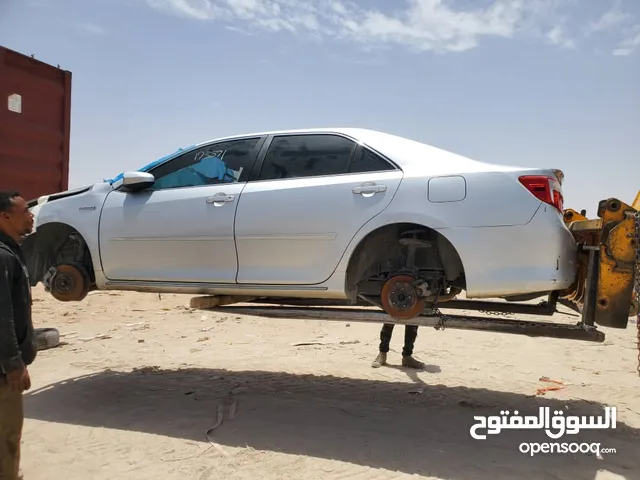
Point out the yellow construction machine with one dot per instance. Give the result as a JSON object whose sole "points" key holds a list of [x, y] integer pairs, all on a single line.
{"points": [[607, 286]]}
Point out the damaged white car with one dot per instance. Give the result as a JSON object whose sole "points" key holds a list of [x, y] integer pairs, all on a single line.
{"points": [[318, 214]]}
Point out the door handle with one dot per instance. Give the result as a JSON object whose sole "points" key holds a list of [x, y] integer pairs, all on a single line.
{"points": [[362, 189], [221, 198]]}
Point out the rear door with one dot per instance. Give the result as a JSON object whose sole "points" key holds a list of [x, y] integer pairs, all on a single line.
{"points": [[312, 194]]}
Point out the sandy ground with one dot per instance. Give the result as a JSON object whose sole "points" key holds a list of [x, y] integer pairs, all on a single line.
{"points": [[139, 380]]}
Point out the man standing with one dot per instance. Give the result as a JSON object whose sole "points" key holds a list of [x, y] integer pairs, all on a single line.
{"points": [[17, 338], [410, 334]]}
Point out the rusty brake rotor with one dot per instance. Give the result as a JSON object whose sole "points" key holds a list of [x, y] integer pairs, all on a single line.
{"points": [[70, 283], [400, 298]]}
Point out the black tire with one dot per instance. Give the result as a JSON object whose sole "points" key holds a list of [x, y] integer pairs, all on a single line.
{"points": [[47, 338]]}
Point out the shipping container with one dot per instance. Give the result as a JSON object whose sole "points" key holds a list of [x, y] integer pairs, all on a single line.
{"points": [[35, 125]]}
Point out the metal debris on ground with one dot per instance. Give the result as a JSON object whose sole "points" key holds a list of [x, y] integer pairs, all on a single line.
{"points": [[543, 390], [138, 326], [96, 337]]}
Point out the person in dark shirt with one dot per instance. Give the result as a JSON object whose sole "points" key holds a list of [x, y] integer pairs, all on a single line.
{"points": [[17, 338]]}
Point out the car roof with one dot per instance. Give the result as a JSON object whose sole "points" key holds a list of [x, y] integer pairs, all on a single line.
{"points": [[349, 131], [410, 155]]}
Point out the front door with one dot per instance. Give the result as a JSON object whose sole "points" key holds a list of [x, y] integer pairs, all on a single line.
{"points": [[180, 229], [314, 192]]}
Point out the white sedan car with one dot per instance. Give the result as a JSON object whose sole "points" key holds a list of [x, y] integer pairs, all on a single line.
{"points": [[317, 214]]}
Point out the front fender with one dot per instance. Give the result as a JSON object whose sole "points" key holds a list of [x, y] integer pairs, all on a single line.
{"points": [[79, 212]]}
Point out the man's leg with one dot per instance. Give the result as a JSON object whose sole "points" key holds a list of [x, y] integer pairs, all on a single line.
{"points": [[385, 340], [11, 422], [410, 335]]}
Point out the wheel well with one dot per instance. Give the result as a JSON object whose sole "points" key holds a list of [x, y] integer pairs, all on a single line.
{"points": [[380, 251], [55, 244]]}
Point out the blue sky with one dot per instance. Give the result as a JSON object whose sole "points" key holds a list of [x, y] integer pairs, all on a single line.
{"points": [[549, 83]]}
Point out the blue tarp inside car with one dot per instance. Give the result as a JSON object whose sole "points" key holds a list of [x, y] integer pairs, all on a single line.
{"points": [[149, 166]]}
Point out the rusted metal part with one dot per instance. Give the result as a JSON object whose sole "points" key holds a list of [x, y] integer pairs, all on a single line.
{"points": [[586, 233], [543, 308], [463, 322], [310, 302], [69, 283], [587, 227], [591, 288], [400, 298], [35, 125], [449, 297]]}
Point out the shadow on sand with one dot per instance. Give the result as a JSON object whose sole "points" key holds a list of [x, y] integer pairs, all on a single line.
{"points": [[376, 424]]}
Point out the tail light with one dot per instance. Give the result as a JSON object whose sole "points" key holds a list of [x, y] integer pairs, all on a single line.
{"points": [[547, 189]]}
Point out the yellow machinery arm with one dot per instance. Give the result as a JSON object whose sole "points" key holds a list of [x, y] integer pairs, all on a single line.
{"points": [[607, 285], [610, 243]]}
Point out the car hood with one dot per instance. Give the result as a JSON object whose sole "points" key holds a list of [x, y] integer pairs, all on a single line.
{"points": [[55, 196]]}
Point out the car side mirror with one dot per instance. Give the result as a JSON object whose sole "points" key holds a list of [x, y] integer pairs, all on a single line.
{"points": [[134, 181]]}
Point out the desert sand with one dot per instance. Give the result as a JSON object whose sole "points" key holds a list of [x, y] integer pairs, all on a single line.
{"points": [[139, 380]]}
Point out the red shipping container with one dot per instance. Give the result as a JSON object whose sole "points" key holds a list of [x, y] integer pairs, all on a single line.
{"points": [[35, 125]]}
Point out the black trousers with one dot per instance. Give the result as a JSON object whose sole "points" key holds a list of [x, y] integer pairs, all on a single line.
{"points": [[410, 335]]}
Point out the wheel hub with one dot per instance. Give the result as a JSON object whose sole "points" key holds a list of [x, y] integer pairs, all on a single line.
{"points": [[402, 296], [70, 283], [63, 283], [401, 299]]}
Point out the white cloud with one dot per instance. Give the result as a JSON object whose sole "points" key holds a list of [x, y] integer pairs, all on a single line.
{"points": [[556, 36], [199, 9], [92, 28], [609, 19], [629, 44], [434, 25], [614, 20]]}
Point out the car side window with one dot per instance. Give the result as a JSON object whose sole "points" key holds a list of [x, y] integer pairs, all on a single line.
{"points": [[367, 161], [295, 156], [218, 163]]}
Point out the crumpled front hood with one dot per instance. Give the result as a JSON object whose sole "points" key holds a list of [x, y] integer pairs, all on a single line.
{"points": [[55, 196]]}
